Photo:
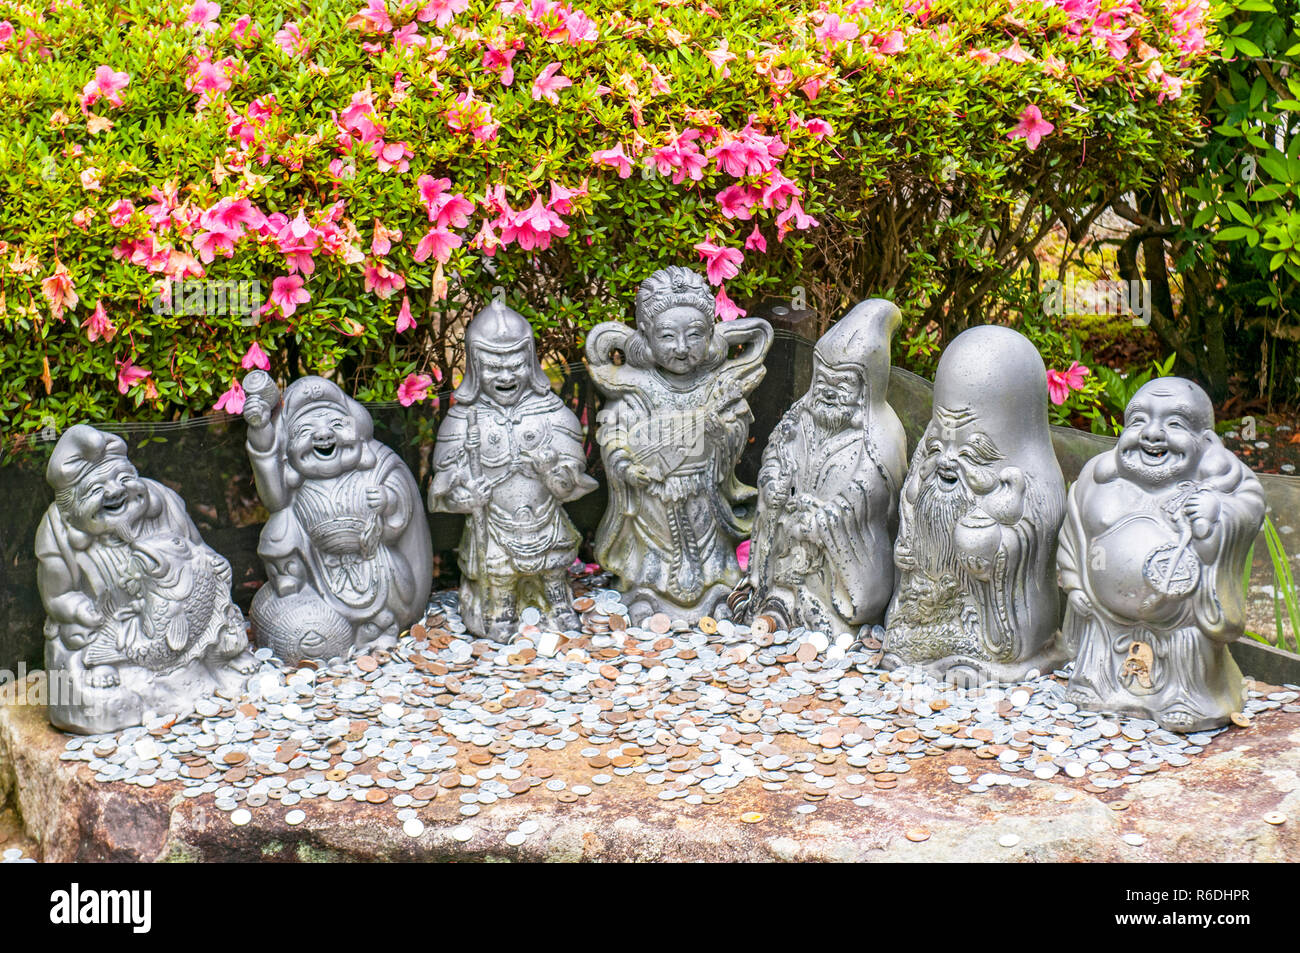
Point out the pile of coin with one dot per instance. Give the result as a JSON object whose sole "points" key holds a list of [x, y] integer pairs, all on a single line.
{"points": [[691, 711]]}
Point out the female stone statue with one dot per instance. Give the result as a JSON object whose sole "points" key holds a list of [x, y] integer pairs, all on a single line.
{"points": [[673, 427]]}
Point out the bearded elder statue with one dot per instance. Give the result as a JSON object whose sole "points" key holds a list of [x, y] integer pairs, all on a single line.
{"points": [[978, 519], [347, 547], [509, 455], [822, 549], [138, 611], [1155, 542]]}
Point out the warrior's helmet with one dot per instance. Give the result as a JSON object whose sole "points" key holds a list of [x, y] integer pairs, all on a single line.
{"points": [[498, 329]]}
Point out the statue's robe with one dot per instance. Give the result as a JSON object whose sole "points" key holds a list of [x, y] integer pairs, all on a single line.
{"points": [[1139, 650]]}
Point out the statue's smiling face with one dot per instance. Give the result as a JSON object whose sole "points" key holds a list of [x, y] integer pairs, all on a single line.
{"points": [[110, 498], [323, 443], [1164, 435], [679, 339], [505, 376]]}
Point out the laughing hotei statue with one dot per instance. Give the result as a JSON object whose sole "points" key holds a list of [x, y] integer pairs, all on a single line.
{"points": [[978, 518], [139, 617], [823, 547], [1156, 538], [673, 427], [346, 548], [508, 455]]}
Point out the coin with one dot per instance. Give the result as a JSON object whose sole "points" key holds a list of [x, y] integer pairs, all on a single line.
{"points": [[659, 623], [413, 827], [917, 834], [294, 818], [1008, 840], [708, 625], [1240, 720], [462, 834], [1275, 817], [751, 817], [1134, 840], [240, 817]]}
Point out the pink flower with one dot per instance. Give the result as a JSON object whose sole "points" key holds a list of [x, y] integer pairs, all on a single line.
{"points": [[439, 243], [725, 308], [580, 28], [404, 320], [533, 227], [891, 43], [98, 325], [245, 31], [498, 60], [392, 155], [6, 32], [720, 57], [983, 55], [376, 14], [255, 357], [232, 401], [445, 209], [90, 180], [1171, 87], [382, 242], [120, 212], [289, 40], [548, 85], [819, 128], [756, 241], [794, 211], [441, 11], [1059, 384], [59, 290], [414, 388], [1032, 128], [833, 31], [738, 201], [742, 555], [614, 157], [682, 157], [1015, 53], [288, 293], [204, 15], [128, 375], [747, 152], [107, 84], [721, 262], [468, 114], [560, 197], [382, 281]]}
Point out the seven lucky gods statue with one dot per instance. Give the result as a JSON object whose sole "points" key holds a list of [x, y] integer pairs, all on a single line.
{"points": [[1151, 558], [823, 545], [673, 427], [138, 611], [509, 454], [978, 519], [347, 547]]}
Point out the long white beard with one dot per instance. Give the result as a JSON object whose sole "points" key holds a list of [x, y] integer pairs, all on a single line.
{"points": [[937, 514]]}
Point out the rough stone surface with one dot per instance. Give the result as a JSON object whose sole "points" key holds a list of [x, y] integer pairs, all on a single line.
{"points": [[1211, 810]]}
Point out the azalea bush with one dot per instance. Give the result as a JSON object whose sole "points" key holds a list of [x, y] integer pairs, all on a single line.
{"points": [[377, 171]]}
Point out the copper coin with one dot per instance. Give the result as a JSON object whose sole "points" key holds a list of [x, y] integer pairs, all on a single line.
{"points": [[584, 604], [917, 834], [519, 786], [376, 795], [708, 625], [567, 797], [450, 780], [659, 623], [235, 775], [1240, 720], [617, 623], [877, 766], [480, 758], [600, 761], [235, 757], [544, 773], [367, 663]]}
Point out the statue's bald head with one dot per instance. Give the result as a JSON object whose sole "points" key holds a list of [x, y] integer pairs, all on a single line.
{"points": [[1180, 393]]}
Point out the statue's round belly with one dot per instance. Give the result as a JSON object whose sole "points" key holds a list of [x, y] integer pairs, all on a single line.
{"points": [[1117, 560]]}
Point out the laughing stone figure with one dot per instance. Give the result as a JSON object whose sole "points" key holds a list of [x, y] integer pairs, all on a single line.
{"points": [[978, 519], [673, 427], [1151, 557], [347, 547], [822, 554], [138, 610], [508, 455]]}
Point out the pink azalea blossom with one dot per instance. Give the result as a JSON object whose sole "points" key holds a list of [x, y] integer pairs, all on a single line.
{"points": [[245, 32], [128, 375], [255, 357], [288, 293], [382, 242], [120, 212], [580, 28], [99, 325], [442, 11], [204, 15], [738, 201], [725, 308], [290, 40], [1171, 87], [682, 157], [721, 262], [891, 43], [376, 15], [742, 555], [59, 290], [614, 157], [468, 114], [833, 30], [720, 57], [533, 227], [778, 189], [392, 155], [1060, 383], [297, 240], [498, 60], [382, 281], [819, 128], [90, 180], [108, 84], [415, 388], [756, 241], [747, 152], [1032, 127], [560, 202], [6, 32], [232, 401], [445, 209], [404, 320], [984, 56], [547, 85]]}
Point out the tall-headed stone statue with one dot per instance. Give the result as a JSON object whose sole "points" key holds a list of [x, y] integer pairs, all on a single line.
{"points": [[823, 545], [1155, 542], [978, 519], [674, 424], [347, 547], [508, 455], [138, 611]]}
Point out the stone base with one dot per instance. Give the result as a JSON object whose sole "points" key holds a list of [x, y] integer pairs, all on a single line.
{"points": [[1211, 810]]}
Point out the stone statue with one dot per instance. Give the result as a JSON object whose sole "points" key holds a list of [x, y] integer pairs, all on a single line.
{"points": [[1155, 543], [138, 611], [509, 454], [674, 424], [347, 547], [978, 519], [823, 547]]}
